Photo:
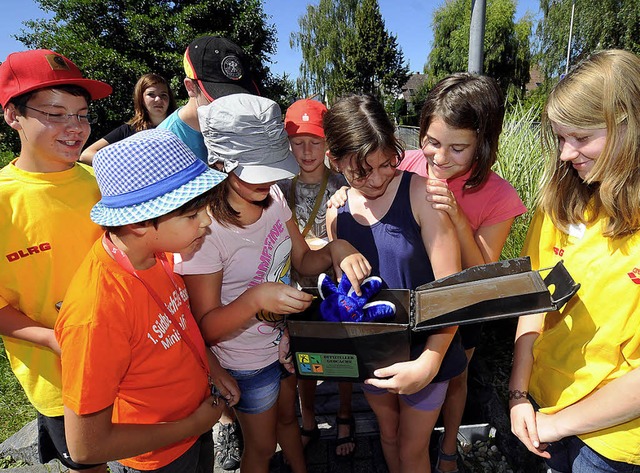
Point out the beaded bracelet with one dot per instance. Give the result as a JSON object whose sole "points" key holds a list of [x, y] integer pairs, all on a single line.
{"points": [[517, 394]]}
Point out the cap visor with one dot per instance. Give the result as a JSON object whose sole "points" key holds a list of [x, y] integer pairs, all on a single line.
{"points": [[97, 89], [215, 90], [258, 174]]}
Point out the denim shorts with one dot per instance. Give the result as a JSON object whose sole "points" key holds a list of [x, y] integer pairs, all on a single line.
{"points": [[572, 455], [259, 388], [429, 398]]}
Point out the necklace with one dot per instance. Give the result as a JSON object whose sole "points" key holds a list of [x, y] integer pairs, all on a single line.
{"points": [[316, 204]]}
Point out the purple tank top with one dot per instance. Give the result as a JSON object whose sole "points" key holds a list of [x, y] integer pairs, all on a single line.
{"points": [[394, 248], [393, 245]]}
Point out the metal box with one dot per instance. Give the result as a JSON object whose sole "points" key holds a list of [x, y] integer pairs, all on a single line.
{"points": [[351, 351]]}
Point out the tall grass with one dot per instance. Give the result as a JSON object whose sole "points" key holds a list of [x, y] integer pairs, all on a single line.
{"points": [[520, 162], [15, 409]]}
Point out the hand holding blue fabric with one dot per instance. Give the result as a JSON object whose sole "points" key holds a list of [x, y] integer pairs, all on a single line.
{"points": [[341, 303]]}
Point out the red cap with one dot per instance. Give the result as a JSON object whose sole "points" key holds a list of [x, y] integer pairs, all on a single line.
{"points": [[25, 71], [305, 116]]}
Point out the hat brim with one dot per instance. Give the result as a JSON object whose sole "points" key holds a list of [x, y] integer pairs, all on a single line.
{"points": [[97, 89], [215, 90], [260, 174], [304, 129], [118, 216]]}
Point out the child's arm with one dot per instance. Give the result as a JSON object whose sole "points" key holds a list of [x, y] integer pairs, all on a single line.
{"points": [[226, 384], [15, 324], [93, 438], [523, 416], [483, 246], [217, 321], [409, 377], [344, 256], [614, 403]]}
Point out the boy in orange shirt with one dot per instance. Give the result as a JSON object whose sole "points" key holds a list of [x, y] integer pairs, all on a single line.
{"points": [[136, 375]]}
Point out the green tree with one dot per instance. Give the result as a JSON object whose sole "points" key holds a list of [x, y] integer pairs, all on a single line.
{"points": [[603, 24], [118, 40], [374, 63], [346, 48], [507, 55]]}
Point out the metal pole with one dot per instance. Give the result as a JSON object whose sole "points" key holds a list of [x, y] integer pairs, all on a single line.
{"points": [[476, 37], [573, 7]]}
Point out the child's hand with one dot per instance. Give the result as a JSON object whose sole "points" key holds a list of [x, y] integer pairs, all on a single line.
{"points": [[346, 259], [407, 377], [227, 386], [206, 415], [338, 199], [523, 425], [442, 198], [280, 298], [284, 352]]}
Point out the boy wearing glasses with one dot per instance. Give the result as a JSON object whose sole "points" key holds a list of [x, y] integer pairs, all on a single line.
{"points": [[45, 200]]}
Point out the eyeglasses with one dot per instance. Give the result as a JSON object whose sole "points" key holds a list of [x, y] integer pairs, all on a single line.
{"points": [[66, 117]]}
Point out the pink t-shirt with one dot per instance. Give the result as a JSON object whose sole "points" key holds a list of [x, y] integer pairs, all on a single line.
{"points": [[492, 202], [248, 256]]}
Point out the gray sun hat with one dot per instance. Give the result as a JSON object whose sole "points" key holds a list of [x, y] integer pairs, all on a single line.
{"points": [[147, 175], [246, 133]]}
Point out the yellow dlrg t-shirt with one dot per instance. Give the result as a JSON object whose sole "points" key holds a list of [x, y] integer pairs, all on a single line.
{"points": [[46, 233], [595, 338]]}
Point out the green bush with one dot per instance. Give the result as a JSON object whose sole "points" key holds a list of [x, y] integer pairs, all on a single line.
{"points": [[520, 162], [5, 158]]}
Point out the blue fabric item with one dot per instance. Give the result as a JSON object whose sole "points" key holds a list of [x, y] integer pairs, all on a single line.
{"points": [[155, 189], [147, 175], [394, 248], [342, 304]]}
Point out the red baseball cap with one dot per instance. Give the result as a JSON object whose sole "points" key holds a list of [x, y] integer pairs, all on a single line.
{"points": [[25, 71], [305, 116]]}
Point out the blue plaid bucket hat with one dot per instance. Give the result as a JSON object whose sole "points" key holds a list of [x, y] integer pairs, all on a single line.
{"points": [[147, 175]]}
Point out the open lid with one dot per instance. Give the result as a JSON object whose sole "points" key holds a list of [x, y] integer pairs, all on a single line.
{"points": [[492, 291]]}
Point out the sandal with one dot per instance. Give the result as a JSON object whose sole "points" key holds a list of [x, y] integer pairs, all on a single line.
{"points": [[351, 422], [453, 457], [312, 434]]}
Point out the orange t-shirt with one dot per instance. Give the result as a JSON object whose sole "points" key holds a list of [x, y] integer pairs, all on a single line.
{"points": [[119, 348]]}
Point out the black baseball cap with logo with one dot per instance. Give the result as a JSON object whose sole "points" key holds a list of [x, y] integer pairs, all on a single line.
{"points": [[219, 67]]}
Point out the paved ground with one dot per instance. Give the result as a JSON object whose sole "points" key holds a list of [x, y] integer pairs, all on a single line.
{"points": [[321, 457]]}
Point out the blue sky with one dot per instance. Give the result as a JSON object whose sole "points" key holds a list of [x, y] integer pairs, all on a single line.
{"points": [[414, 37]]}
